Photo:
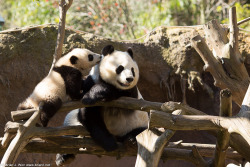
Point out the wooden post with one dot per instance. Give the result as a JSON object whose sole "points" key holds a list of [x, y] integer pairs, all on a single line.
{"points": [[223, 136], [151, 144]]}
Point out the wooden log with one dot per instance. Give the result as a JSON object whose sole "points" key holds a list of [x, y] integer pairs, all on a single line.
{"points": [[211, 63], [8, 136], [22, 138], [151, 145], [10, 130], [245, 107], [59, 131], [71, 145], [242, 147], [236, 141], [223, 136], [22, 114], [123, 102], [237, 125], [186, 122], [206, 150], [171, 106], [51, 131]]}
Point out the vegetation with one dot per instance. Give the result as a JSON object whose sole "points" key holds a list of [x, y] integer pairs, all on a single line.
{"points": [[122, 19]]}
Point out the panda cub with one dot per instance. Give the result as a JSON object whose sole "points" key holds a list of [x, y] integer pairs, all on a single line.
{"points": [[116, 76], [63, 83]]}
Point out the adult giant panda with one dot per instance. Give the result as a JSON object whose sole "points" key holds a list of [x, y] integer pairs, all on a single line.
{"points": [[116, 76], [63, 83]]}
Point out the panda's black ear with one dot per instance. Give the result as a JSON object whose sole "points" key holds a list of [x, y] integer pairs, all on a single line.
{"points": [[107, 50], [130, 52], [73, 59]]}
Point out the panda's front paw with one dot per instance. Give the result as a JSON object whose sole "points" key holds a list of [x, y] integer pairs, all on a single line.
{"points": [[88, 101], [64, 159]]}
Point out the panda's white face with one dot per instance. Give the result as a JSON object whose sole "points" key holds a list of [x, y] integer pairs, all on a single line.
{"points": [[81, 59], [120, 70]]}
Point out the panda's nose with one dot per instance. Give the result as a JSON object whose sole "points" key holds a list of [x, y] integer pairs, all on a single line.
{"points": [[129, 79]]}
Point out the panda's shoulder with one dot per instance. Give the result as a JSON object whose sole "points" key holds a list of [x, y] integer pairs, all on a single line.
{"points": [[69, 74]]}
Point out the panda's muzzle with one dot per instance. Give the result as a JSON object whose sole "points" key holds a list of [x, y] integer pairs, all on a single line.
{"points": [[100, 58], [127, 84], [129, 80], [124, 85], [98, 61]]}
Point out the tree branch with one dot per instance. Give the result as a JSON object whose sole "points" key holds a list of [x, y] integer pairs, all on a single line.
{"points": [[64, 5], [211, 63], [245, 107], [227, 73], [233, 29], [22, 138], [123, 102], [243, 21]]}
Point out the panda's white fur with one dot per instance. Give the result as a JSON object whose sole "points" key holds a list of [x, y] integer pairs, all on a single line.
{"points": [[83, 62], [119, 123], [71, 119], [53, 86]]}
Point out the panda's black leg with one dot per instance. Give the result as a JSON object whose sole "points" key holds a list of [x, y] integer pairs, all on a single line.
{"points": [[131, 136], [97, 128], [63, 159], [49, 108], [103, 138], [87, 84]]}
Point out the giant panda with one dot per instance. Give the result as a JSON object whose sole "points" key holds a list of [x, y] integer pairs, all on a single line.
{"points": [[63, 83], [116, 76]]}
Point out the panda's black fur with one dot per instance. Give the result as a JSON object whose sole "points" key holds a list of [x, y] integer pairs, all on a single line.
{"points": [[95, 119], [63, 83]]}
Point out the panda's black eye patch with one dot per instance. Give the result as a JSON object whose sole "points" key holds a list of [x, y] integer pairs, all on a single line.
{"points": [[73, 59], [119, 69], [91, 57], [133, 71]]}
